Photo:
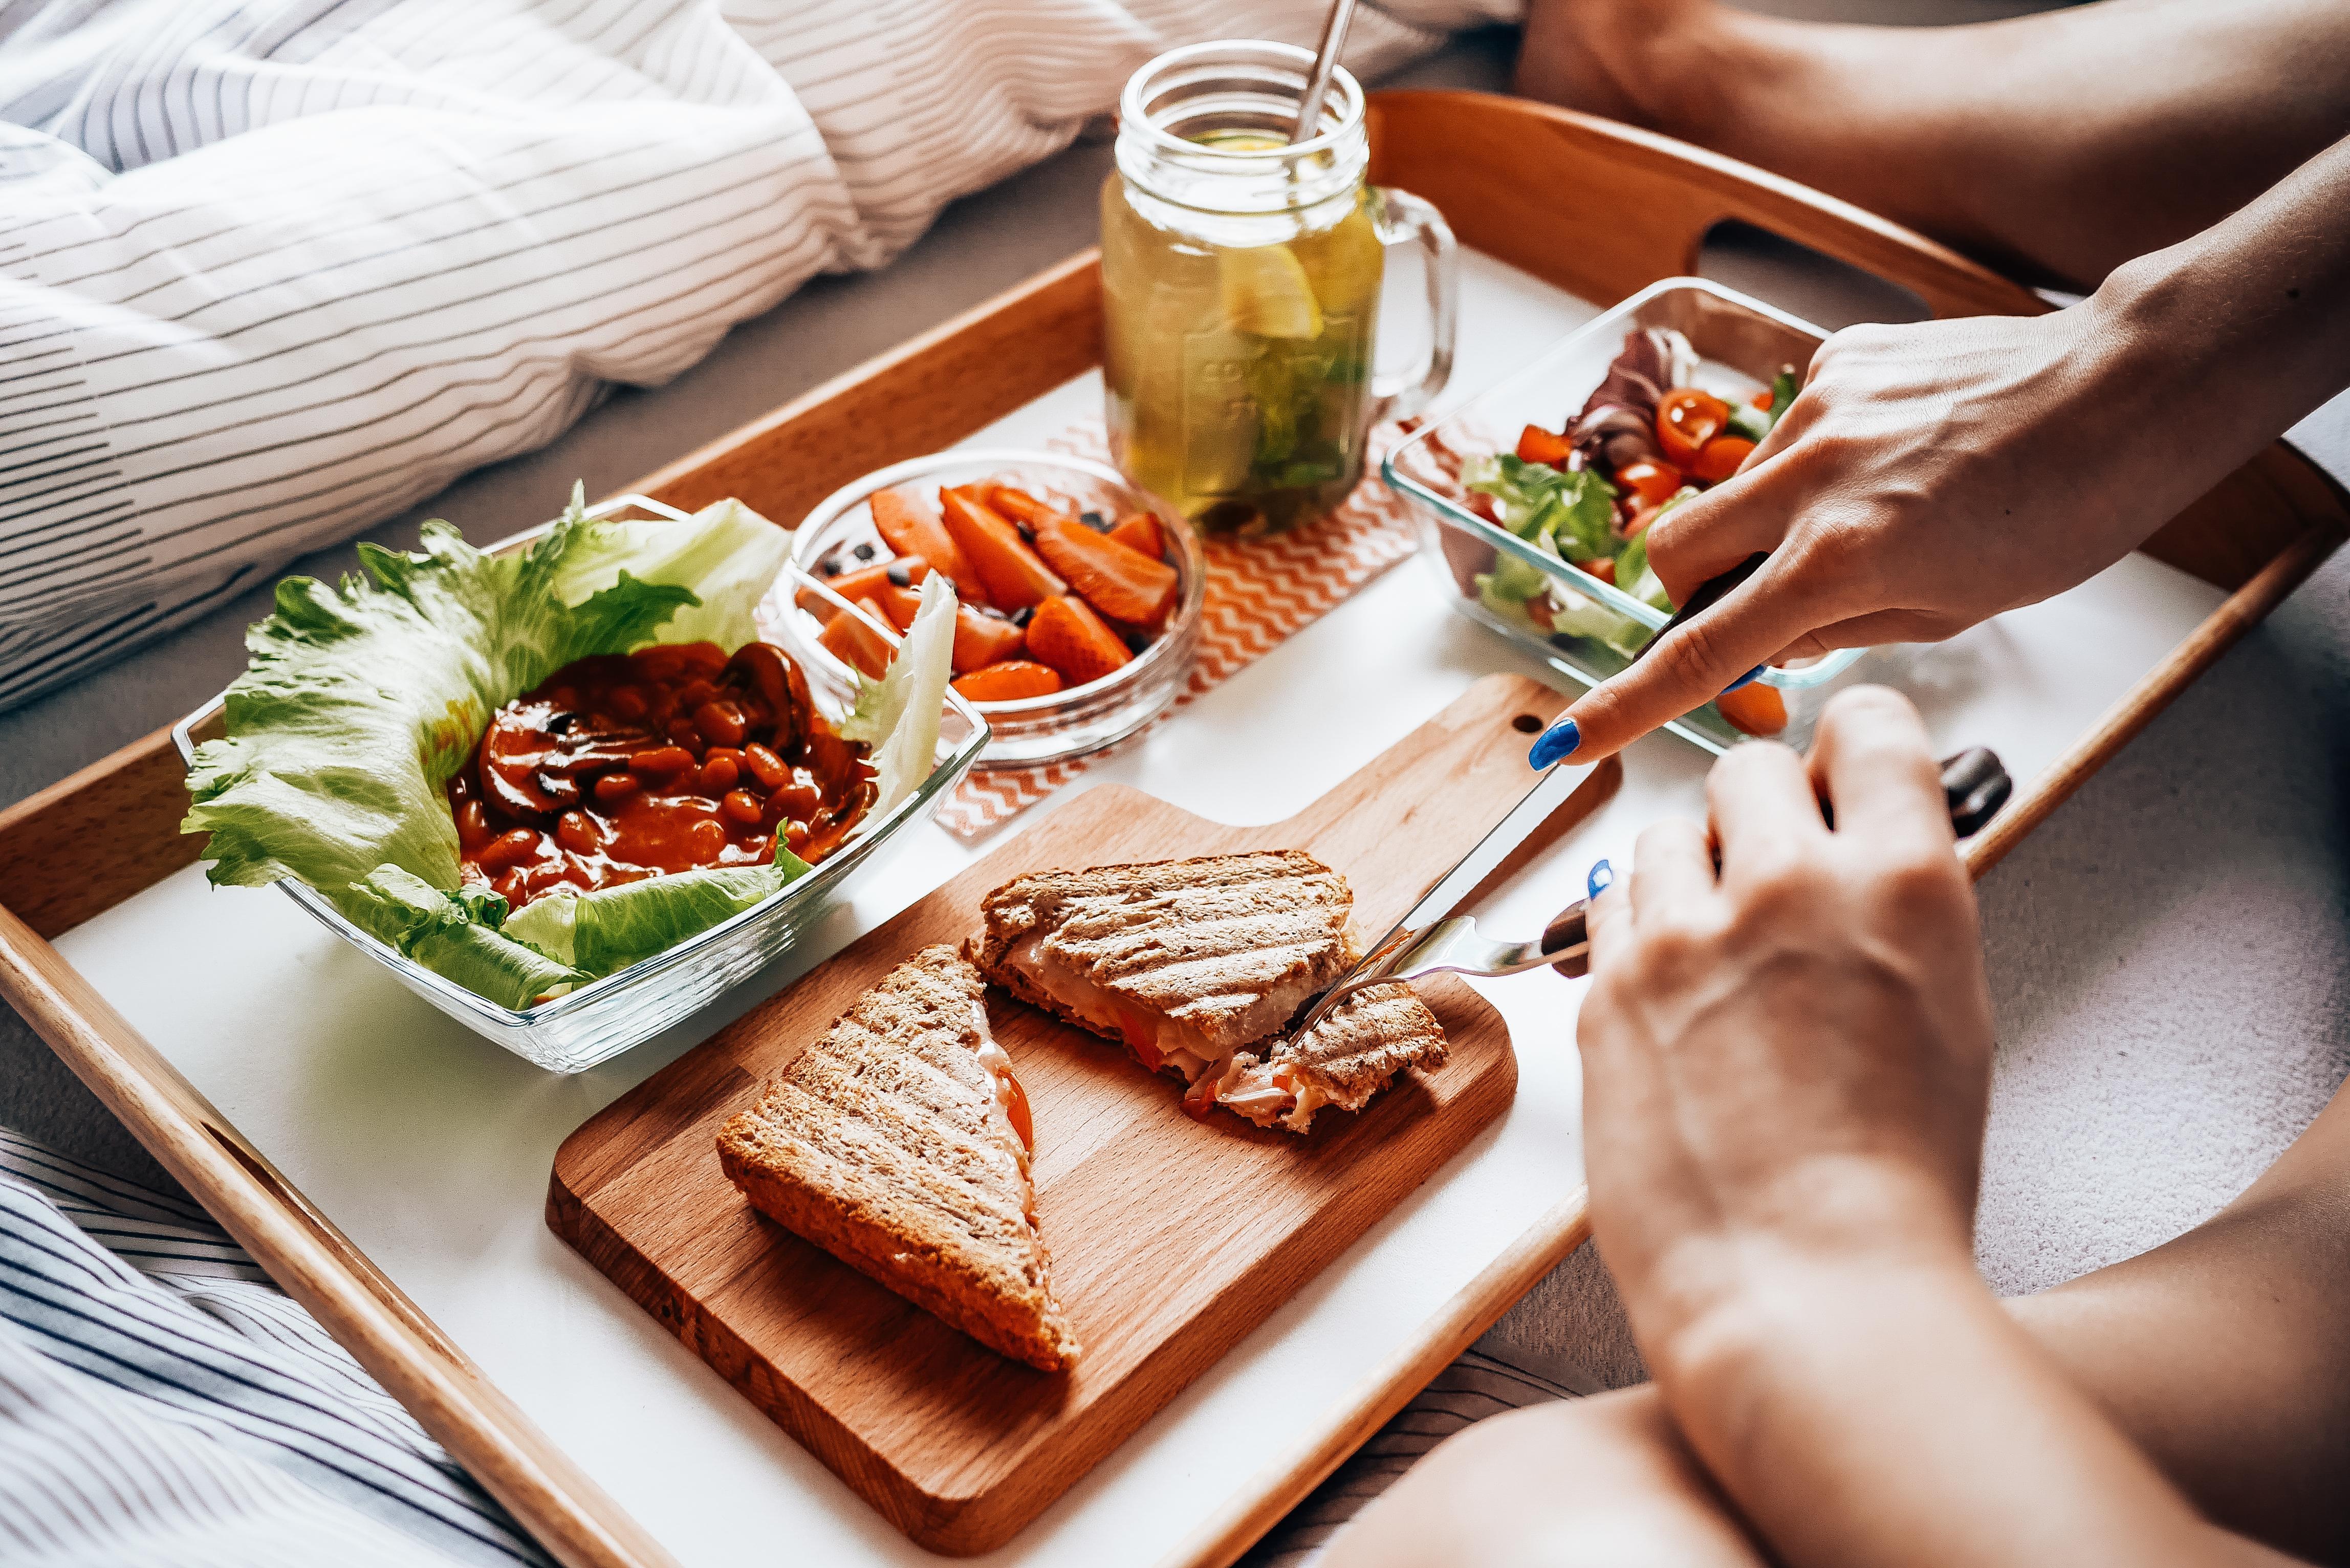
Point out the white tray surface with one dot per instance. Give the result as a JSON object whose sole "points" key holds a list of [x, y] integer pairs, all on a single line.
{"points": [[431, 1148]]}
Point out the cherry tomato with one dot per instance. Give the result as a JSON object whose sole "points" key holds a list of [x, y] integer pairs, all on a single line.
{"points": [[1603, 568], [1761, 400], [1536, 444], [1687, 419], [1649, 483], [1718, 458]]}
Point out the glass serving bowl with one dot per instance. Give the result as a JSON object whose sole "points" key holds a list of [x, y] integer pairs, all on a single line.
{"points": [[603, 1018], [1032, 730], [1741, 343]]}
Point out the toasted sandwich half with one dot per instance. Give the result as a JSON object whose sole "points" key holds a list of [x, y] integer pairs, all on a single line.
{"points": [[898, 1142], [1186, 961], [1349, 1057]]}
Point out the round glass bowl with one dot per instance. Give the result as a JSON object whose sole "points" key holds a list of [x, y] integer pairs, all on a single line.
{"points": [[1064, 723]]}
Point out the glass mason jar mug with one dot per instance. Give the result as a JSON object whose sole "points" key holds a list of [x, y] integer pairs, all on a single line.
{"points": [[1242, 279]]}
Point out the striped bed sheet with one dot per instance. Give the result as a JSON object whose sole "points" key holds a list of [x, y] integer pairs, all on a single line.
{"points": [[162, 1403], [271, 271]]}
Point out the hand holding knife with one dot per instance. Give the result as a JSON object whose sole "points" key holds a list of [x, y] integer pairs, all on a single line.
{"points": [[1974, 785]]}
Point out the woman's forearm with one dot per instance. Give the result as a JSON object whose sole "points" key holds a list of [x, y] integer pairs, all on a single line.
{"points": [[2250, 318], [1867, 1412]]}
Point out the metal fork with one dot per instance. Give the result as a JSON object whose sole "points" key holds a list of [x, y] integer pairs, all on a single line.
{"points": [[1974, 786], [1452, 946]]}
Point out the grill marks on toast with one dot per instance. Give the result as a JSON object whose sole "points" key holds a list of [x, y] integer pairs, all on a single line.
{"points": [[1367, 1040], [1227, 944], [884, 1143]]}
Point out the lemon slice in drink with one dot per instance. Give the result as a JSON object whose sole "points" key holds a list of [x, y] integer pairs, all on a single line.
{"points": [[1264, 291]]}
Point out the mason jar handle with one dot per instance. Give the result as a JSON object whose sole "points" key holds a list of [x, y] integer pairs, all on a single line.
{"points": [[1403, 218]]}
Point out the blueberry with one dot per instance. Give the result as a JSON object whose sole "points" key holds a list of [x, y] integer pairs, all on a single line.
{"points": [[828, 567], [900, 573], [1136, 642], [1097, 522], [1024, 616], [865, 552]]}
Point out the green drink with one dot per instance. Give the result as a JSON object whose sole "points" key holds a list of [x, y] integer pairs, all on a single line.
{"points": [[1242, 281]]}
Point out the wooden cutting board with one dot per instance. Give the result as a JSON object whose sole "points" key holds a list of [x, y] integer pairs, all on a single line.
{"points": [[1170, 1238]]}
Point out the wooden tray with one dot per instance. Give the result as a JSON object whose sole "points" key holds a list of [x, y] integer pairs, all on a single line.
{"points": [[1171, 1238], [111, 831]]}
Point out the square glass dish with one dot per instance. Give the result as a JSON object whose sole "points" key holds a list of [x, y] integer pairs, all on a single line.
{"points": [[572, 1033], [1742, 343]]}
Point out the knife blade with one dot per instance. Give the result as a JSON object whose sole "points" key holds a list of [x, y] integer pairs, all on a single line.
{"points": [[1436, 901]]}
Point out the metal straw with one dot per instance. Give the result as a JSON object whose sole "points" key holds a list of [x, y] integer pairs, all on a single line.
{"points": [[1325, 61]]}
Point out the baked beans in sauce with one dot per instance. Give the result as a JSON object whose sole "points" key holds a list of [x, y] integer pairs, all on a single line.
{"points": [[620, 767]]}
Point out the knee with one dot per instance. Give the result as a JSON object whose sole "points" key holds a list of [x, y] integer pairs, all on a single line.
{"points": [[1591, 1482]]}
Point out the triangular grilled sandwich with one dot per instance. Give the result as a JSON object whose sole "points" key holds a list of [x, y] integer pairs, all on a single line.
{"points": [[1187, 962], [899, 1143], [1350, 1055]]}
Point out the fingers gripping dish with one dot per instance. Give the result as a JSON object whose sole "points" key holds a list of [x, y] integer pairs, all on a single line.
{"points": [[899, 1143]]}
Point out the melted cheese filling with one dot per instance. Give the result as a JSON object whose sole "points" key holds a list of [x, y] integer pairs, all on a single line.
{"points": [[1174, 1043], [998, 1062], [1265, 1095]]}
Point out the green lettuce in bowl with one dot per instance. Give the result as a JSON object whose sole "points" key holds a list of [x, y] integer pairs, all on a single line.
{"points": [[362, 700]]}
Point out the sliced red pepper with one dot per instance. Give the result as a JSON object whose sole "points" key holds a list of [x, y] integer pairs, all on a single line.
{"points": [[1536, 444]]}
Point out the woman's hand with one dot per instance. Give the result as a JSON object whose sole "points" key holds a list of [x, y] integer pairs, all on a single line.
{"points": [[1787, 1061], [1928, 477]]}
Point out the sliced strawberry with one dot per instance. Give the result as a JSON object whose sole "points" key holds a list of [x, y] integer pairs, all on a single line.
{"points": [[1007, 568], [1141, 532], [1120, 582], [1009, 681], [857, 645], [865, 583], [911, 528], [1066, 634], [982, 640]]}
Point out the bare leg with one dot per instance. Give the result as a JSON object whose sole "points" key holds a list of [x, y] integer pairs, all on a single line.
{"points": [[2063, 144], [2224, 1354], [1590, 1483]]}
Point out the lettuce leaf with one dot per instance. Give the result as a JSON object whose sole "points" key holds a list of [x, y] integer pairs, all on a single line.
{"points": [[604, 931], [447, 934], [1571, 515], [897, 715], [361, 700], [1754, 423]]}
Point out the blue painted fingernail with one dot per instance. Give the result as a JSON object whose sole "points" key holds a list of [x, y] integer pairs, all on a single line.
{"points": [[1560, 740], [1602, 876], [1745, 680]]}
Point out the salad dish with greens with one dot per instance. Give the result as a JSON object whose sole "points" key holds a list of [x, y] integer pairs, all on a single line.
{"points": [[528, 771], [1645, 440]]}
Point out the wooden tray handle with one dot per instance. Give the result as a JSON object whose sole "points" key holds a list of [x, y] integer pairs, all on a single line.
{"points": [[317, 1265], [1662, 197]]}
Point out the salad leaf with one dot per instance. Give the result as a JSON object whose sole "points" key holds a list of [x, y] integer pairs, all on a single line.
{"points": [[447, 934], [1511, 581], [1633, 572], [604, 931], [1571, 515], [362, 700], [897, 715], [1754, 423], [729, 558]]}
